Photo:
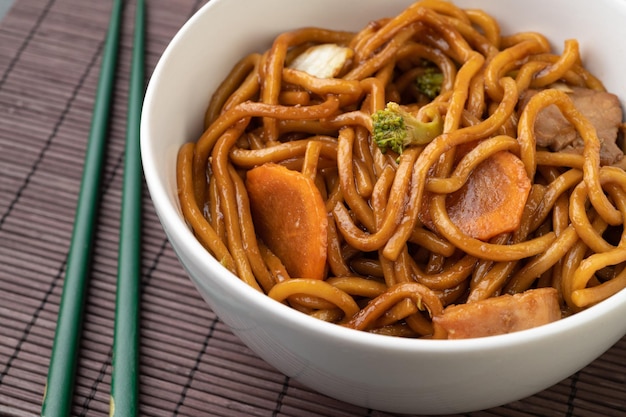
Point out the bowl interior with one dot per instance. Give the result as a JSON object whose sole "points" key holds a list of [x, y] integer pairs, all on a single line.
{"points": [[198, 59]]}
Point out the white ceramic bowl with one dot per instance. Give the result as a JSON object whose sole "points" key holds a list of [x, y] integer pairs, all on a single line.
{"points": [[384, 373]]}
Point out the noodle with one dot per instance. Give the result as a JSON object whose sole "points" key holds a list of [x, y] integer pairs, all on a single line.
{"points": [[397, 251]]}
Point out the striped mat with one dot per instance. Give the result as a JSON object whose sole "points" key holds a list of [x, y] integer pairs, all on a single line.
{"points": [[191, 364]]}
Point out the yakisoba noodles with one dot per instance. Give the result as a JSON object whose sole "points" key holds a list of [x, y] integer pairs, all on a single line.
{"points": [[513, 202]]}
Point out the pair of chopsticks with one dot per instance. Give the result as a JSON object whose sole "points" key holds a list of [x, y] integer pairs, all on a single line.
{"points": [[58, 396]]}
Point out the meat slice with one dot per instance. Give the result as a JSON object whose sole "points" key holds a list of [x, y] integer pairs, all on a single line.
{"points": [[500, 315], [602, 109]]}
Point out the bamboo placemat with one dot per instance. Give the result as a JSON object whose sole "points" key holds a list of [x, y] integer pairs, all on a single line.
{"points": [[191, 365]]}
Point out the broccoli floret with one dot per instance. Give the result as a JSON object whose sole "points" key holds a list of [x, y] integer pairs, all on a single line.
{"points": [[394, 128], [429, 82]]}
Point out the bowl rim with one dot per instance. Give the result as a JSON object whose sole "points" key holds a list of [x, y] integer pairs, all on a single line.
{"points": [[183, 240]]}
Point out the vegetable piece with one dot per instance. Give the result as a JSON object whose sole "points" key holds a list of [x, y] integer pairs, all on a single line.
{"points": [[490, 202], [290, 217], [323, 61], [395, 128], [500, 315], [429, 82]]}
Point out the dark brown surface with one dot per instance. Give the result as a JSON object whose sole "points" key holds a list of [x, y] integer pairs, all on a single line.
{"points": [[191, 365]]}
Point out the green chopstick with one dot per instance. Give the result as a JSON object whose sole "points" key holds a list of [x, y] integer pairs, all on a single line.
{"points": [[57, 400], [125, 370]]}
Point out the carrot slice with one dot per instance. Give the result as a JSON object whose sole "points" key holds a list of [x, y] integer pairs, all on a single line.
{"points": [[290, 217], [491, 201]]}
